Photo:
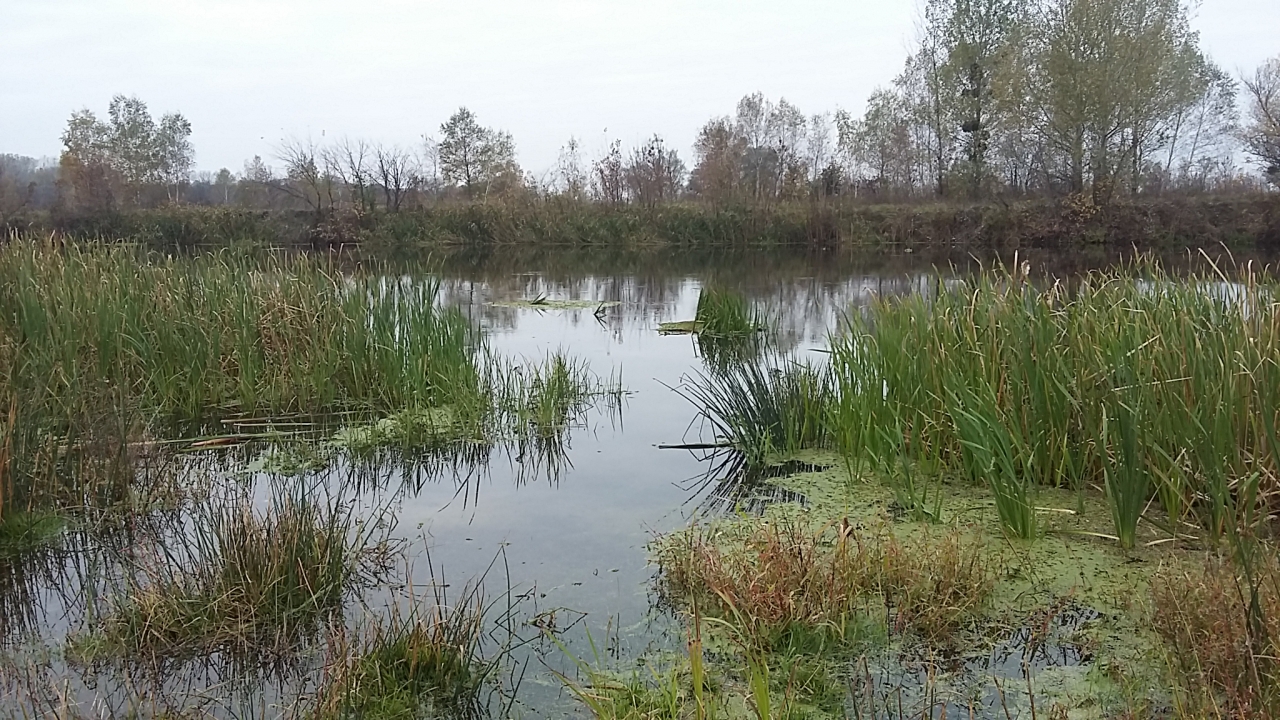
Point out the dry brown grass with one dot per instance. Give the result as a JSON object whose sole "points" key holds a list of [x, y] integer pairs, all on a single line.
{"points": [[767, 576], [1224, 656]]}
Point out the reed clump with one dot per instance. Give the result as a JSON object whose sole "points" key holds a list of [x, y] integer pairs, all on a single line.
{"points": [[243, 583], [550, 396], [765, 411], [106, 347], [768, 578], [191, 338], [1145, 385], [1220, 619], [24, 530], [425, 661], [723, 313]]}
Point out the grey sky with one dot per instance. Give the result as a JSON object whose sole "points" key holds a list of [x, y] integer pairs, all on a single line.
{"points": [[250, 72]]}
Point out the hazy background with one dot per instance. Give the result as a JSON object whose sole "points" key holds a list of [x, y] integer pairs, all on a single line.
{"points": [[250, 72]]}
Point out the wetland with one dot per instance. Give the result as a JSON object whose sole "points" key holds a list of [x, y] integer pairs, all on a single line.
{"points": [[637, 483]]}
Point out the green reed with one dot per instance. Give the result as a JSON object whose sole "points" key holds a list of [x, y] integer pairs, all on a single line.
{"points": [[764, 412], [724, 313], [1127, 379], [220, 333], [103, 346], [240, 581], [427, 660]]}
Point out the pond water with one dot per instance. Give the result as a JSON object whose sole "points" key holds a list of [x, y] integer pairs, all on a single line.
{"points": [[566, 535]]}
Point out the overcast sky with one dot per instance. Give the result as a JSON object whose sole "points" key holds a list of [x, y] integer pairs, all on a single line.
{"points": [[248, 73]]}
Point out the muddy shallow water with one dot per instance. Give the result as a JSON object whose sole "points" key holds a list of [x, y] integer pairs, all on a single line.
{"points": [[564, 535]]}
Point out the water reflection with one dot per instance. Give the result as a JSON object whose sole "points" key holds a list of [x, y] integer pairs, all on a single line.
{"points": [[572, 510]]}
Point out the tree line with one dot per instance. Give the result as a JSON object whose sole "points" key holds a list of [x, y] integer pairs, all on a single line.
{"points": [[1095, 99]]}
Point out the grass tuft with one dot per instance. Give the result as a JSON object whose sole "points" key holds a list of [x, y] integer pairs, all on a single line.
{"points": [[249, 584], [771, 578], [426, 661], [1222, 628]]}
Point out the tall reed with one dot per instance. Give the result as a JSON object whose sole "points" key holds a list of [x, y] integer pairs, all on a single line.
{"points": [[102, 346], [1148, 385]]}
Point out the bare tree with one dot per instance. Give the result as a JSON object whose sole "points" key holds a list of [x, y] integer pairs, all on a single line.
{"points": [[654, 173], [608, 183], [1262, 129], [351, 163], [397, 173], [571, 177], [307, 176]]}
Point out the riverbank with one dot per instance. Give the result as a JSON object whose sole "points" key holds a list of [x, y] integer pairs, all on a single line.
{"points": [[1243, 221]]}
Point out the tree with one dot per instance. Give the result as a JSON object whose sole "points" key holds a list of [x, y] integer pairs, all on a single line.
{"points": [[398, 174], [885, 145], [87, 177], [176, 155], [349, 163], [223, 182], [307, 176], [1108, 76], [257, 184], [571, 177], [1262, 128], [721, 155], [131, 151], [608, 183], [974, 35], [787, 128], [474, 157], [654, 173], [819, 148], [1199, 138]]}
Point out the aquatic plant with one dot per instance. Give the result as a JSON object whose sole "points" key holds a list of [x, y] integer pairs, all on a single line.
{"points": [[1021, 386], [723, 313], [23, 531], [105, 348], [771, 578], [238, 581], [190, 338], [991, 454], [1223, 635], [659, 694], [426, 659], [764, 411]]}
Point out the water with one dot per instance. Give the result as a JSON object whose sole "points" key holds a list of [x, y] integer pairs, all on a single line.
{"points": [[566, 538]]}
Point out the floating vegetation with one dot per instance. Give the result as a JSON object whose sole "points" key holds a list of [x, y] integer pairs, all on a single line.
{"points": [[892, 611], [544, 303], [679, 327]]}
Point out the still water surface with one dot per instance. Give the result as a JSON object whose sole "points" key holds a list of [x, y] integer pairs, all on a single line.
{"points": [[570, 538]]}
